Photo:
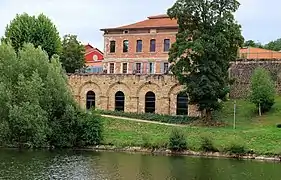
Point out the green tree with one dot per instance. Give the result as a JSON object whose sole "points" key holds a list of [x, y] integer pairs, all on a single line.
{"points": [[262, 90], [39, 31], [207, 40], [252, 43], [36, 105], [274, 45], [73, 51]]}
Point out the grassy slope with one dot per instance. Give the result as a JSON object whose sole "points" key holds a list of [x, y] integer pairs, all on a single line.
{"points": [[254, 132]]}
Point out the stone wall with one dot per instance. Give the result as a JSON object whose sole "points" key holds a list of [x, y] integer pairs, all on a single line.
{"points": [[241, 72], [165, 88]]}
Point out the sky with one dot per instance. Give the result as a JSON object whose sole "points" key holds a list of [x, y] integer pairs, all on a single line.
{"points": [[260, 19]]}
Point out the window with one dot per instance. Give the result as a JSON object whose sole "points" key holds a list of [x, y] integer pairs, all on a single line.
{"points": [[151, 68], [166, 67], [149, 102], [112, 46], [111, 68], [152, 45], [166, 45], [138, 68], [182, 104], [90, 100], [119, 101], [125, 68], [125, 46], [139, 46]]}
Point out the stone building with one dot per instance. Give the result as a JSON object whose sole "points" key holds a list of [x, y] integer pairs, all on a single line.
{"points": [[136, 71]]}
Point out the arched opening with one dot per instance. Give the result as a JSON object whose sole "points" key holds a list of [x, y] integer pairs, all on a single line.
{"points": [[182, 104], [90, 100], [150, 102], [119, 101]]}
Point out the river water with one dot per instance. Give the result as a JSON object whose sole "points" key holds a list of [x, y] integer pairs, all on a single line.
{"points": [[28, 165]]}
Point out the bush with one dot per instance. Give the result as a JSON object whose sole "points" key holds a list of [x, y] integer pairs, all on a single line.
{"points": [[91, 131], [37, 108], [207, 145], [151, 117], [237, 149], [262, 90], [177, 140], [278, 125]]}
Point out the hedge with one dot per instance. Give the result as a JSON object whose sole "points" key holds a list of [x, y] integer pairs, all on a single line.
{"points": [[151, 117]]}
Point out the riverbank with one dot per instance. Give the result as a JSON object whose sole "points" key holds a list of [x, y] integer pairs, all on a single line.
{"points": [[258, 135], [167, 152]]}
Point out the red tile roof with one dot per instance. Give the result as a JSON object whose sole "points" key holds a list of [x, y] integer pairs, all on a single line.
{"points": [[160, 21], [258, 53]]}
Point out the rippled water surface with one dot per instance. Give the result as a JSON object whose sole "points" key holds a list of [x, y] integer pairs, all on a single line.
{"points": [[27, 165]]}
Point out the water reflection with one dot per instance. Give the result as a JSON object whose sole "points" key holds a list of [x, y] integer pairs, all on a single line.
{"points": [[26, 165]]}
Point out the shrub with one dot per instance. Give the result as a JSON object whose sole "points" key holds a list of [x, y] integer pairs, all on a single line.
{"points": [[237, 149], [278, 125], [91, 132], [36, 106], [145, 142], [151, 117], [262, 90], [207, 145], [177, 140]]}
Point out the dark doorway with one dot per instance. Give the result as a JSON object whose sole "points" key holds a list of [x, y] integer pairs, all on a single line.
{"points": [[90, 100], [119, 101], [182, 104], [150, 102]]}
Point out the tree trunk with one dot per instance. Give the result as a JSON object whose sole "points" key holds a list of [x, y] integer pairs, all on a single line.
{"points": [[208, 115]]}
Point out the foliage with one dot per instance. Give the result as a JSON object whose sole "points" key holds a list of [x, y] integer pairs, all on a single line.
{"points": [[249, 130], [207, 145], [207, 40], [236, 148], [274, 45], [72, 57], [39, 31], [262, 89], [251, 43], [177, 140], [151, 117], [36, 105]]}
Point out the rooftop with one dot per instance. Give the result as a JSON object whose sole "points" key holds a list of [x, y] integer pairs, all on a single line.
{"points": [[159, 21]]}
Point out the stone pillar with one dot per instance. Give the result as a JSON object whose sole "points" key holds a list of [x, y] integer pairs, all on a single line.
{"points": [[163, 106], [133, 105], [103, 104], [193, 111]]}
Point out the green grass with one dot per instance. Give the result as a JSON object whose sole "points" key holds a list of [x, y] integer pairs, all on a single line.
{"points": [[257, 133]]}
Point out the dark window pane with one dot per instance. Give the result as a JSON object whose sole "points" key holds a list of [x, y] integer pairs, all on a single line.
{"points": [[139, 45], [166, 45], [125, 66], [112, 46], [182, 104], [152, 45], [119, 101], [150, 102], [125, 46], [90, 100], [111, 68]]}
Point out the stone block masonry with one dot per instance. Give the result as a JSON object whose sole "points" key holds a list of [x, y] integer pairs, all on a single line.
{"points": [[105, 86]]}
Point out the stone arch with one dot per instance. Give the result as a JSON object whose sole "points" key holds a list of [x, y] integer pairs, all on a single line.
{"points": [[141, 92], [86, 87], [111, 91], [173, 92]]}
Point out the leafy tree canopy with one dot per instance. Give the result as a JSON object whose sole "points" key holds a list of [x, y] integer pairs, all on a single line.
{"points": [[274, 45], [72, 57], [36, 105], [39, 31], [207, 40], [262, 89], [252, 43]]}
